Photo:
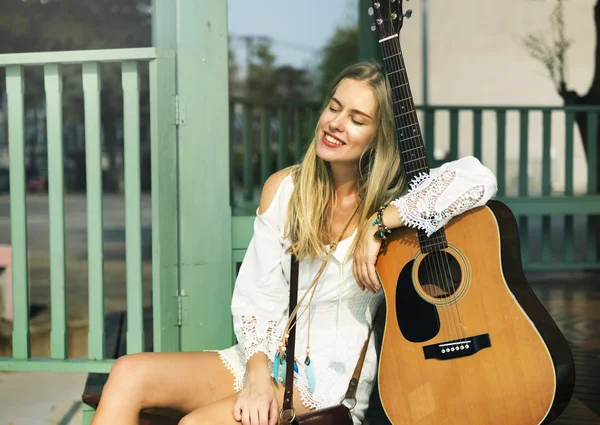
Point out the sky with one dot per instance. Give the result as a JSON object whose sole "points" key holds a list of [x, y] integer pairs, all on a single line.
{"points": [[299, 29]]}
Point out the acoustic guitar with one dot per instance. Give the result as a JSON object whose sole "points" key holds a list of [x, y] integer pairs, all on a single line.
{"points": [[466, 341]]}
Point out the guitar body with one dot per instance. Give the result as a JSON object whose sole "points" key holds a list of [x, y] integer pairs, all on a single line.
{"points": [[493, 355], [466, 341]]}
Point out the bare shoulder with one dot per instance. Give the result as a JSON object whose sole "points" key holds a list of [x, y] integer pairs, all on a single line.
{"points": [[270, 188]]}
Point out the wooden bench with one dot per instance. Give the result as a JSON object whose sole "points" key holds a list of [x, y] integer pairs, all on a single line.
{"points": [[576, 413]]}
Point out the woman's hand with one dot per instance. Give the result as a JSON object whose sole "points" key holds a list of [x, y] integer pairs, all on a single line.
{"points": [[257, 401], [365, 258]]}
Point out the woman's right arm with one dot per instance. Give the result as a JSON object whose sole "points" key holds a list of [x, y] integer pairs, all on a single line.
{"points": [[260, 298]]}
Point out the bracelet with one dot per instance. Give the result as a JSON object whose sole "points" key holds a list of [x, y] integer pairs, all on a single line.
{"points": [[383, 230]]}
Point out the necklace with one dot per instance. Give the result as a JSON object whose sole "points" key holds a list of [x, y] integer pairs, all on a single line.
{"points": [[280, 359]]}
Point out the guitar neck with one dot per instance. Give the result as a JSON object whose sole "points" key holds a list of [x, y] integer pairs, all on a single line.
{"points": [[410, 139]]}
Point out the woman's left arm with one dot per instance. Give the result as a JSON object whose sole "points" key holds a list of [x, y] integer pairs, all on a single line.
{"points": [[432, 200]]}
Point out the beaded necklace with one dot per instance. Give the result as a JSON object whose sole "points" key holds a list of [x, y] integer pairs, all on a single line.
{"points": [[279, 361]]}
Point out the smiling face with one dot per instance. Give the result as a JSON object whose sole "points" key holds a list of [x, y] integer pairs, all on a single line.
{"points": [[348, 123]]}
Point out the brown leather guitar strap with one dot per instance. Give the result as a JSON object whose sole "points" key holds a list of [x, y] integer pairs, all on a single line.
{"points": [[289, 373]]}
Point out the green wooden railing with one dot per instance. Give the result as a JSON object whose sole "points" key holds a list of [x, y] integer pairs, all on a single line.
{"points": [[556, 216], [162, 93]]}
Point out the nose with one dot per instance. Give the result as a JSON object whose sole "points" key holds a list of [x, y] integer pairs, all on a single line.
{"points": [[336, 123]]}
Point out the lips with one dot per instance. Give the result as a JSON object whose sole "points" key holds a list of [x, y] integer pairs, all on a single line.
{"points": [[331, 141]]}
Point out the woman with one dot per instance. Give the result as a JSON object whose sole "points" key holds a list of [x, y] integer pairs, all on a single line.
{"points": [[351, 168]]}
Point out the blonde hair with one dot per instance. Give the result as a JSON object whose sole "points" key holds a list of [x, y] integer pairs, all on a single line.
{"points": [[380, 175]]}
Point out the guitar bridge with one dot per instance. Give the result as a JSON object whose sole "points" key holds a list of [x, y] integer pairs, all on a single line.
{"points": [[458, 348]]}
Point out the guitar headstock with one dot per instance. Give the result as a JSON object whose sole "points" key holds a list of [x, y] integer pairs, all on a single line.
{"points": [[388, 17]]}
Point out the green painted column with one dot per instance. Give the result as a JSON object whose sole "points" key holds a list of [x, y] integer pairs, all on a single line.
{"points": [[368, 47], [204, 214], [165, 192]]}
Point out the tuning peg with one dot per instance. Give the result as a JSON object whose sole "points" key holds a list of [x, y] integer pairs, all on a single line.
{"points": [[373, 27], [370, 11], [376, 5], [408, 14]]}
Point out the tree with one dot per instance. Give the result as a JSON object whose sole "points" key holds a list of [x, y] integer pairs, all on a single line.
{"points": [[340, 51], [552, 56], [265, 80]]}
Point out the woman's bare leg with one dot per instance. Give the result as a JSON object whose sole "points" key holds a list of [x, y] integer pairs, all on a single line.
{"points": [[221, 412], [182, 381]]}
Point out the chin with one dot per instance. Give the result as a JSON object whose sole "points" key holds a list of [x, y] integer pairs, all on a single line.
{"points": [[324, 153]]}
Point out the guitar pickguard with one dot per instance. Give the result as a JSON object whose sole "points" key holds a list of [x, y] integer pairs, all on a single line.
{"points": [[417, 319]]}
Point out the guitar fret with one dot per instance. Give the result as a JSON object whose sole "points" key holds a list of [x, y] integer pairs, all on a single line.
{"points": [[405, 113], [396, 71], [412, 149], [414, 160], [392, 56], [416, 170], [395, 102], [407, 126], [405, 139], [436, 241]]}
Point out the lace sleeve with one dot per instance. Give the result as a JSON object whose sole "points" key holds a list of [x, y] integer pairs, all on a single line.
{"points": [[261, 292], [434, 198]]}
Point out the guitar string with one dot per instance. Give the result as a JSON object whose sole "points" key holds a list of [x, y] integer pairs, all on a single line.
{"points": [[439, 256], [386, 52], [404, 122], [389, 56], [445, 272]]}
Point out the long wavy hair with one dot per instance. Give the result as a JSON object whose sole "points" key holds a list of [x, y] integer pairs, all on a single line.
{"points": [[380, 176]]}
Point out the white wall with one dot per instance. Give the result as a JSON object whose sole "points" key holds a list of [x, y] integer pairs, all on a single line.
{"points": [[476, 58]]}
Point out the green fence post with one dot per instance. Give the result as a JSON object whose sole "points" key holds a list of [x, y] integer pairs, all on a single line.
{"points": [[205, 212], [15, 88]]}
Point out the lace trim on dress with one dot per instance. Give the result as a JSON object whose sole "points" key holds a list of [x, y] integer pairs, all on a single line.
{"points": [[238, 383], [417, 207], [309, 400], [250, 340], [312, 400]]}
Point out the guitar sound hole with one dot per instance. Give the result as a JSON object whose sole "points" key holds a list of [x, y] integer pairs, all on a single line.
{"points": [[439, 274]]}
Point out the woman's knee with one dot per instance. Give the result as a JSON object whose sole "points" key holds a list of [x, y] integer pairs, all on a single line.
{"points": [[129, 370], [188, 420]]}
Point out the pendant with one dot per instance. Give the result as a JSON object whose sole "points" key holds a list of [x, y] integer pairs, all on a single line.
{"points": [[310, 373], [284, 371], [276, 363]]}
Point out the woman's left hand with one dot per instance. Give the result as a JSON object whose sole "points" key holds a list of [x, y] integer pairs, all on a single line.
{"points": [[365, 258]]}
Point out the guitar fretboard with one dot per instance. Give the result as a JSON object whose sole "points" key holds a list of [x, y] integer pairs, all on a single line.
{"points": [[410, 139]]}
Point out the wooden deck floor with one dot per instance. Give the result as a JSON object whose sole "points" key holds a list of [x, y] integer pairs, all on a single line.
{"points": [[573, 301]]}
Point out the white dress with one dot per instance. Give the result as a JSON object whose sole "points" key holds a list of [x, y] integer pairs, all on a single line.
{"points": [[341, 314]]}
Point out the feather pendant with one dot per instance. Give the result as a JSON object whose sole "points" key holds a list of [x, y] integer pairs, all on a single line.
{"points": [[276, 363], [310, 373], [284, 370], [284, 367]]}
